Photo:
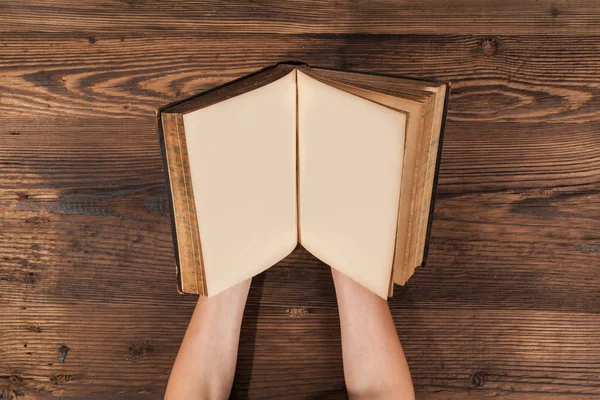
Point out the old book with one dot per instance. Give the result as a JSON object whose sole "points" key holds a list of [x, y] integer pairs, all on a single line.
{"points": [[344, 163]]}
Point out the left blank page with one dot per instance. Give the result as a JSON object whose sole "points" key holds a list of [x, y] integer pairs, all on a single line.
{"points": [[242, 157]]}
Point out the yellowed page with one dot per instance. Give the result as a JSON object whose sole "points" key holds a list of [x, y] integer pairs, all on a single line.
{"points": [[242, 156], [414, 126], [350, 166]]}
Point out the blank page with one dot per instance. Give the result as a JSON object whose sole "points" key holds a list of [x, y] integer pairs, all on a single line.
{"points": [[350, 167], [415, 109], [242, 156]]}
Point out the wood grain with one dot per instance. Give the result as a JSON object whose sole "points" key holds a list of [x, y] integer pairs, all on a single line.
{"points": [[149, 17], [507, 306], [528, 79]]}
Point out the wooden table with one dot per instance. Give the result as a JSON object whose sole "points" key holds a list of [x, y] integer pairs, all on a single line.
{"points": [[508, 306]]}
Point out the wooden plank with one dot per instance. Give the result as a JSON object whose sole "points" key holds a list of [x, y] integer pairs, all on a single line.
{"points": [[526, 79], [297, 16], [492, 156]]}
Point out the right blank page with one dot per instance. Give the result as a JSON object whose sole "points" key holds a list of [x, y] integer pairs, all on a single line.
{"points": [[350, 154]]}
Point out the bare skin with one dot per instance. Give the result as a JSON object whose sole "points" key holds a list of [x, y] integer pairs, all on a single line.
{"points": [[374, 363], [205, 365]]}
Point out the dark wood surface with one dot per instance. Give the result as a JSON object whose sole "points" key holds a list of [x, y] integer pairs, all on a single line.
{"points": [[508, 306]]}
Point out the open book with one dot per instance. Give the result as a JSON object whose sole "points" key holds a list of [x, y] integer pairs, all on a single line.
{"points": [[343, 163]]}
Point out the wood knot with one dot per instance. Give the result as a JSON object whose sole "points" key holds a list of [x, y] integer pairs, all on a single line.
{"points": [[489, 46], [589, 248], [15, 379], [60, 379], [14, 388], [139, 349], [92, 40], [34, 328], [297, 312], [478, 379], [63, 350], [554, 12], [30, 278]]}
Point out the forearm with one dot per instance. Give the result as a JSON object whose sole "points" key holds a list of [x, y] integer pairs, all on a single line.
{"points": [[205, 365], [374, 363]]}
